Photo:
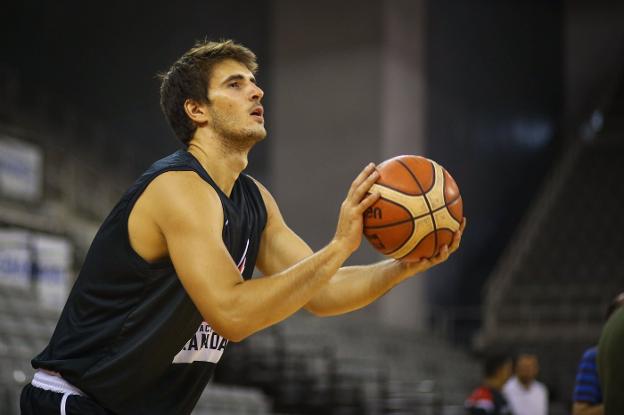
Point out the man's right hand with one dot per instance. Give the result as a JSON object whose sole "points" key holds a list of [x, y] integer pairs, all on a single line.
{"points": [[350, 221]]}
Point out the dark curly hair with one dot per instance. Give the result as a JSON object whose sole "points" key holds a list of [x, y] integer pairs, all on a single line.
{"points": [[189, 78]]}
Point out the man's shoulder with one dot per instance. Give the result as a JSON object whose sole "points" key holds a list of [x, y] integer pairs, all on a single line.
{"points": [[511, 385], [247, 178], [590, 354], [480, 395], [179, 161], [541, 387], [175, 159], [177, 195], [181, 182], [481, 401]]}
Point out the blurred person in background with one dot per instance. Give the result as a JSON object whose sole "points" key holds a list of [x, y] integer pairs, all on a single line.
{"points": [[166, 283], [525, 394], [609, 357], [488, 399], [587, 396]]}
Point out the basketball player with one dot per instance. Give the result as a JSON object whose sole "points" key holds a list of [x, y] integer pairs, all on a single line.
{"points": [[167, 281]]}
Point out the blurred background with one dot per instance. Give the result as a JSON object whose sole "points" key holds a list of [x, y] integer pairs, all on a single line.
{"points": [[522, 101]]}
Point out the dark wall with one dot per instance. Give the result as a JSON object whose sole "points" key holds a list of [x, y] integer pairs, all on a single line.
{"points": [[594, 58], [98, 60], [494, 99]]}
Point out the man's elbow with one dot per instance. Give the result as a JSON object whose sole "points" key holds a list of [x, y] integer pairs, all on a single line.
{"points": [[236, 337], [232, 329], [233, 334], [316, 310]]}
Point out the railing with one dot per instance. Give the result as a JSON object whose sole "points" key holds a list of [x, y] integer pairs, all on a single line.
{"points": [[530, 226], [454, 324]]}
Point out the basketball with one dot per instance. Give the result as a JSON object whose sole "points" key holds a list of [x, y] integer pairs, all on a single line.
{"points": [[419, 210]]}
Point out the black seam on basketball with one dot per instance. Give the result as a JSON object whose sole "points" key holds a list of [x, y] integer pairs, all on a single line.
{"points": [[451, 202], [435, 228], [413, 218], [444, 198], [397, 190], [457, 199], [434, 177], [420, 242], [365, 228], [396, 204]]}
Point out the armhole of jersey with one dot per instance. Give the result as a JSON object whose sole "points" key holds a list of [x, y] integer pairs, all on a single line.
{"points": [[256, 189], [138, 259]]}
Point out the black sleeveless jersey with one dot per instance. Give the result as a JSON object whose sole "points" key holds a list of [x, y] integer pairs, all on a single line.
{"points": [[129, 335]]}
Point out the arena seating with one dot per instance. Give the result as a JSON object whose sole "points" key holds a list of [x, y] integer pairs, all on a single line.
{"points": [[333, 366], [25, 329], [553, 285], [228, 400]]}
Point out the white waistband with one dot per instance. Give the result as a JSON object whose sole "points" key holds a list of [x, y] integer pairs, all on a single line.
{"points": [[54, 383]]}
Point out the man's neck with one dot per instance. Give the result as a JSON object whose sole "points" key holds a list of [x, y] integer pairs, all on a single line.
{"points": [[222, 162], [526, 384]]}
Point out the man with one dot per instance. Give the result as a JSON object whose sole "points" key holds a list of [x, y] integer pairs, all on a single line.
{"points": [[525, 394], [167, 280], [611, 360], [587, 392], [488, 399]]}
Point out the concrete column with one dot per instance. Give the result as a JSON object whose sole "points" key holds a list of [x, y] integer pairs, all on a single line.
{"points": [[403, 127], [347, 88]]}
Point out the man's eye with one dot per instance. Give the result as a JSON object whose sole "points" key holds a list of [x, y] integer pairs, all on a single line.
{"points": [[234, 85]]}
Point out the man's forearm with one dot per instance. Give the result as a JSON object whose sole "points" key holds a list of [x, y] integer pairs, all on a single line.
{"points": [[262, 302], [355, 287], [581, 408]]}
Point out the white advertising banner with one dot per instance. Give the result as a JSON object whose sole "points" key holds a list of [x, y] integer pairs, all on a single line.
{"points": [[21, 169], [15, 258], [53, 263]]}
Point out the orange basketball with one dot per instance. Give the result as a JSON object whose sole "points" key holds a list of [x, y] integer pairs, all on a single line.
{"points": [[419, 210]]}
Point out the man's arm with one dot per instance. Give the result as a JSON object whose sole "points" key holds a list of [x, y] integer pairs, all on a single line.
{"points": [[190, 217], [583, 408], [350, 288], [587, 396]]}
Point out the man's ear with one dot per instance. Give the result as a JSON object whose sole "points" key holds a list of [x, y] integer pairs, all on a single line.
{"points": [[196, 111]]}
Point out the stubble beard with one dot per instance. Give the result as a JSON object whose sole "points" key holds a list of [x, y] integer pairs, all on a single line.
{"points": [[235, 137]]}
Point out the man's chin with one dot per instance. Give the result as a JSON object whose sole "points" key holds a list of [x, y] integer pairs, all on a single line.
{"points": [[249, 137], [262, 135], [257, 135]]}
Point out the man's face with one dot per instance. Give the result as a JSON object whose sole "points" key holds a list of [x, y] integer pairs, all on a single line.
{"points": [[507, 370], [235, 111], [527, 368]]}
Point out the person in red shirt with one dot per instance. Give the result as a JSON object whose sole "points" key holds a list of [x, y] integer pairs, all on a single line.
{"points": [[487, 399]]}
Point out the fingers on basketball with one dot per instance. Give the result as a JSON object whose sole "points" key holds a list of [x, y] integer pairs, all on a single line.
{"points": [[360, 178]]}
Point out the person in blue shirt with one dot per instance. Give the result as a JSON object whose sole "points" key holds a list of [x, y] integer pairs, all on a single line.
{"points": [[587, 394]]}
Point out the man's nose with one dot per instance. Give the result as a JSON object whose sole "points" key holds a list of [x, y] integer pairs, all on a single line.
{"points": [[257, 93]]}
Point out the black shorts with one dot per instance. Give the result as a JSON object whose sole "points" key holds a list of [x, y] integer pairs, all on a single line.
{"points": [[36, 401]]}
